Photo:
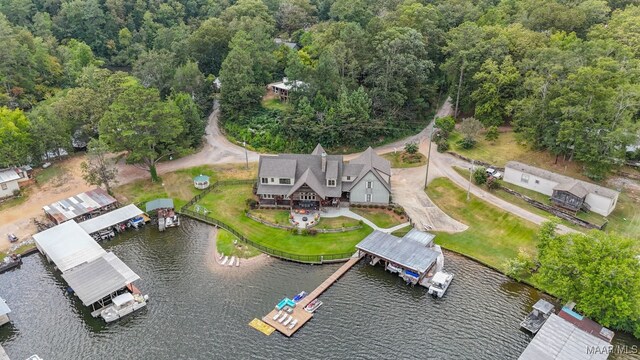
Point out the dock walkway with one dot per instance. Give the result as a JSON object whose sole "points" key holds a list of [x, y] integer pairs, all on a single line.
{"points": [[299, 313]]}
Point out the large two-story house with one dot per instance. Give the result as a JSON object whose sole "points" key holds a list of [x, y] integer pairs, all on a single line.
{"points": [[317, 179]]}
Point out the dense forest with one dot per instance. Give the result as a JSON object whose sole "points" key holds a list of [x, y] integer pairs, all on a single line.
{"points": [[563, 73]]}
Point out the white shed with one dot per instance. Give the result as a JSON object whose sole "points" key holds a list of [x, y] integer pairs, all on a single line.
{"points": [[8, 182]]}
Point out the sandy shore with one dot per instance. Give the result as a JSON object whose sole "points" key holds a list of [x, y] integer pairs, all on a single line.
{"points": [[245, 264]]}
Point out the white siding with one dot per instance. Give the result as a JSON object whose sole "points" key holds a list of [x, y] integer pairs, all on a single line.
{"points": [[534, 183], [600, 204], [11, 187]]}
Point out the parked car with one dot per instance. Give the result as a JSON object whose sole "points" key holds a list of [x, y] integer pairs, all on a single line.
{"points": [[494, 173]]}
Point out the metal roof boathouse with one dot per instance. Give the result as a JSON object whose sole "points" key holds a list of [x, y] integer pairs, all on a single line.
{"points": [[80, 207], [414, 257]]}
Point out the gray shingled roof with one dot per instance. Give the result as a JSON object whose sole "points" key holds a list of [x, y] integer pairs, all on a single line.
{"points": [[352, 170], [574, 188], [318, 150], [310, 180], [562, 179], [406, 252], [559, 339], [371, 160], [332, 169], [277, 167]]}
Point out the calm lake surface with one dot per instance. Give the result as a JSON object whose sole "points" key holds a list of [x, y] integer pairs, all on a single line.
{"points": [[199, 313]]}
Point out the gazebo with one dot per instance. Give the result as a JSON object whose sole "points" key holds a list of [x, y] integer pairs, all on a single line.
{"points": [[201, 182]]}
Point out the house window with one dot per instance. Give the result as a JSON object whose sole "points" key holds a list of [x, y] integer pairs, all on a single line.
{"points": [[524, 178], [348, 178], [272, 180], [267, 196], [331, 182], [369, 184], [285, 181], [4, 186], [264, 180], [368, 197]]}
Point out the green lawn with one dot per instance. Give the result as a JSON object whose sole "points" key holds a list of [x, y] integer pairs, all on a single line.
{"points": [[275, 104], [337, 222], [381, 217], [225, 245], [402, 232], [508, 148], [403, 160], [625, 219], [494, 235], [279, 217], [228, 205]]}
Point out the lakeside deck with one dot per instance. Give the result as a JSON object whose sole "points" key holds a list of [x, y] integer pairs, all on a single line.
{"points": [[298, 311]]}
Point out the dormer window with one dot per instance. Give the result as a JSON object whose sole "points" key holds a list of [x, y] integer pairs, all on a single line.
{"points": [[331, 182]]}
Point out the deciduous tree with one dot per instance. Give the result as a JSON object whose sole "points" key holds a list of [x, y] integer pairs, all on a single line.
{"points": [[99, 169]]}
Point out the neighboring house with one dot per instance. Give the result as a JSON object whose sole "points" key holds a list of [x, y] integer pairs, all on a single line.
{"points": [[284, 87], [565, 192], [317, 179], [8, 182], [289, 44]]}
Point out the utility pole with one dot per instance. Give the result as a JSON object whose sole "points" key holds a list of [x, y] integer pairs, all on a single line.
{"points": [[470, 173], [246, 154], [426, 175]]}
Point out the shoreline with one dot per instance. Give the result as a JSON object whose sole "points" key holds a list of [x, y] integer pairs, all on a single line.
{"points": [[214, 264]]}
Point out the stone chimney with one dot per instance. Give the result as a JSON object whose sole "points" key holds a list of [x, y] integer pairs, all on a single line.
{"points": [[324, 161]]}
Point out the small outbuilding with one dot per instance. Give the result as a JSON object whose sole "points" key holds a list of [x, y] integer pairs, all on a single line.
{"points": [[201, 182], [8, 183]]}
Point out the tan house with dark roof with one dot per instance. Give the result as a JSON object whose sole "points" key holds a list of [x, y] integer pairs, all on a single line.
{"points": [[317, 179]]}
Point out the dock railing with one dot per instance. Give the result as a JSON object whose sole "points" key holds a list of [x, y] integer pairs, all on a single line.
{"points": [[306, 259]]}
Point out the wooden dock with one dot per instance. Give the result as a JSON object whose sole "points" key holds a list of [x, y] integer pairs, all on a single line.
{"points": [[298, 311]]}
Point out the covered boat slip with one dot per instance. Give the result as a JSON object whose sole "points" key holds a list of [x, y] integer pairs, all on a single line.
{"points": [[80, 206], [411, 256], [68, 245], [4, 312], [110, 219], [100, 278]]}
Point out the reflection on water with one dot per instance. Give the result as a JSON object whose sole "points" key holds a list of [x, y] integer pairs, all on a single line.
{"points": [[199, 313]]}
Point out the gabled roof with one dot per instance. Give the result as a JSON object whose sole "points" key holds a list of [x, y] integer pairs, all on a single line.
{"points": [[574, 188], [277, 167], [318, 150], [370, 159], [8, 175], [310, 180]]}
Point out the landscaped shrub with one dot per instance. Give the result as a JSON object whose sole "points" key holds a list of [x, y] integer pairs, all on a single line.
{"points": [[411, 148], [398, 210], [443, 145], [312, 232], [480, 175], [251, 203], [467, 143]]}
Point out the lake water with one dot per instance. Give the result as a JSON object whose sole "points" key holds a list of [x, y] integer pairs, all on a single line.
{"points": [[196, 312]]}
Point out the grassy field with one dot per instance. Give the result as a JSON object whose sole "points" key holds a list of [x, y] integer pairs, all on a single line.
{"points": [[337, 222], [402, 232], [54, 171], [381, 217], [228, 205], [274, 103], [225, 245], [494, 235], [179, 184], [508, 148], [404, 160], [625, 219]]}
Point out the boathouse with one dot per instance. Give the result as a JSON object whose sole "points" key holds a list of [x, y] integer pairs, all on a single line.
{"points": [[99, 281], [80, 207], [569, 335], [414, 256], [4, 312], [67, 245], [111, 218]]}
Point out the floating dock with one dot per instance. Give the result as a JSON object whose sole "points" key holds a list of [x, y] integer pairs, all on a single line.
{"points": [[298, 311]]}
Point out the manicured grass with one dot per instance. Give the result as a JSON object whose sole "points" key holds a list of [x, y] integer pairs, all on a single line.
{"points": [[279, 217], [179, 184], [402, 159], [381, 217], [494, 235], [336, 223], [275, 104], [227, 204], [402, 232], [508, 148], [225, 245]]}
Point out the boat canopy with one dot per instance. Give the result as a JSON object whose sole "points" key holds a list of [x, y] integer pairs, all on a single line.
{"points": [[122, 299], [543, 306]]}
